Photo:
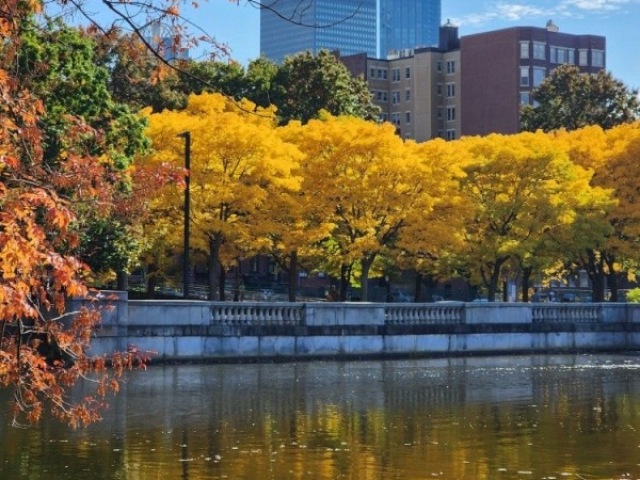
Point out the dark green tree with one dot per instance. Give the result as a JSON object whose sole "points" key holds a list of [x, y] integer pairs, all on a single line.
{"points": [[139, 79], [261, 80], [302, 86], [307, 83], [570, 99], [58, 65]]}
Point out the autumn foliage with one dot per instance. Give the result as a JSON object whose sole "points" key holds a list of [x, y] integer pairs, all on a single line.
{"points": [[348, 197], [334, 194], [44, 349]]}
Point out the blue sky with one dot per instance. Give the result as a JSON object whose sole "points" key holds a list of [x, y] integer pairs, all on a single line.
{"points": [[618, 20]]}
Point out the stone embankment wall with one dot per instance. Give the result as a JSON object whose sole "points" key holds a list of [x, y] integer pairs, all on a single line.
{"points": [[208, 331]]}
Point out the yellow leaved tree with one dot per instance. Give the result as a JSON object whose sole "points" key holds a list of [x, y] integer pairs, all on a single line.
{"points": [[237, 161], [360, 181], [430, 237], [524, 196], [612, 156]]}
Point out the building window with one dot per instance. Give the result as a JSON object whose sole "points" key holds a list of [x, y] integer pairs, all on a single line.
{"points": [[597, 58], [439, 66], [372, 73], [440, 113], [395, 75], [395, 119], [524, 77], [382, 73], [381, 96], [583, 57], [451, 134], [451, 67], [439, 89], [395, 97], [383, 117], [407, 72], [562, 55], [524, 49], [525, 98], [407, 118], [451, 90], [539, 52], [407, 95], [451, 114], [538, 76]]}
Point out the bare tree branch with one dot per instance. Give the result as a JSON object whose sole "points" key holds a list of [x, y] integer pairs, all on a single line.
{"points": [[297, 14]]}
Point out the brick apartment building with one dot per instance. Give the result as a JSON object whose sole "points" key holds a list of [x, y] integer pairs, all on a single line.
{"points": [[473, 85], [500, 68]]}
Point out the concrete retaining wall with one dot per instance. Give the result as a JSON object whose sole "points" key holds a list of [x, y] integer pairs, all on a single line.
{"points": [[208, 331]]}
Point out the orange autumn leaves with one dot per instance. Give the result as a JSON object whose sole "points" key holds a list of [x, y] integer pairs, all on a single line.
{"points": [[43, 350]]}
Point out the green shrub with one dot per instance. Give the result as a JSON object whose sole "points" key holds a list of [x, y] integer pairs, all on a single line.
{"points": [[633, 296]]}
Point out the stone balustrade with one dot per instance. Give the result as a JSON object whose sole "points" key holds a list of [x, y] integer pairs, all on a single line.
{"points": [[566, 313], [244, 313], [199, 330], [424, 313]]}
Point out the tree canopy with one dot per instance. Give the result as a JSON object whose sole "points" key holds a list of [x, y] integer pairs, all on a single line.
{"points": [[56, 168], [300, 88], [57, 64], [305, 84], [239, 161], [570, 99], [611, 155]]}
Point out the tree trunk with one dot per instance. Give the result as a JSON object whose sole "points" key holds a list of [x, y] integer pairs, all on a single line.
{"points": [[419, 295], [492, 290], [345, 275], [612, 279], [214, 254], [293, 276], [364, 278], [221, 284], [598, 287], [595, 271], [526, 282], [492, 283], [152, 281], [122, 279], [236, 282]]}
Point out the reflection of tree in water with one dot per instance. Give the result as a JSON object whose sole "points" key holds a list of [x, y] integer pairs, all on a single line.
{"points": [[408, 419]]}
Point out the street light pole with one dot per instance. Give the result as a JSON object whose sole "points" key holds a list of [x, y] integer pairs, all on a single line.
{"points": [[187, 208]]}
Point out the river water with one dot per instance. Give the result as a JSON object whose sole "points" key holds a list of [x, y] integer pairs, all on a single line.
{"points": [[521, 417]]}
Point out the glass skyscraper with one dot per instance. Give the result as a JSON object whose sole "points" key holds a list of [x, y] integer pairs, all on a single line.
{"points": [[408, 24], [376, 27]]}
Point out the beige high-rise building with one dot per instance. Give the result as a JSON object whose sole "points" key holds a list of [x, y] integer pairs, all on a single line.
{"points": [[418, 90]]}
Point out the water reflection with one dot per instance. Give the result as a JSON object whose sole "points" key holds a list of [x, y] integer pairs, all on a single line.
{"points": [[499, 417]]}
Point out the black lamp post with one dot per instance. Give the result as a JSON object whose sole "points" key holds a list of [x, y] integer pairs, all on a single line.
{"points": [[187, 208]]}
